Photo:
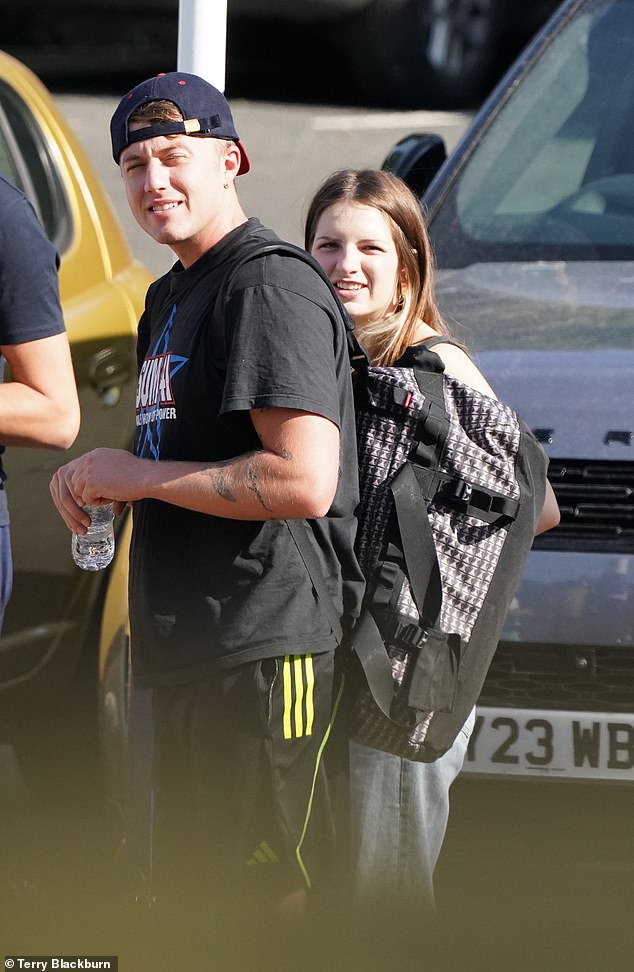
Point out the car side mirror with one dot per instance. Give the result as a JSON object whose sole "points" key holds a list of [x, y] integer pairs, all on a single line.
{"points": [[416, 159]]}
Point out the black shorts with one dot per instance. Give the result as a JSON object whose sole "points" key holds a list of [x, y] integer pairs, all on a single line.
{"points": [[243, 800]]}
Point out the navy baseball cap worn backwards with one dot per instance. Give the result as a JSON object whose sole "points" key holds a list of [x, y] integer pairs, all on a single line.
{"points": [[204, 109]]}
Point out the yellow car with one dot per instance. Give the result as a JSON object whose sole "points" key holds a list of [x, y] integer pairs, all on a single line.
{"points": [[48, 648]]}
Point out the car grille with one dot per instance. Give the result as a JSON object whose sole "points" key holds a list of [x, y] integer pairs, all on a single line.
{"points": [[537, 676], [596, 500]]}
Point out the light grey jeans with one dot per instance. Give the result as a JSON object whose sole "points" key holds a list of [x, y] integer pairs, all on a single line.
{"points": [[399, 817]]}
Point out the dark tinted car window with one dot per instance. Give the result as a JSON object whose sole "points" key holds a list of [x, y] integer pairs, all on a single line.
{"points": [[554, 174], [534, 236], [26, 161]]}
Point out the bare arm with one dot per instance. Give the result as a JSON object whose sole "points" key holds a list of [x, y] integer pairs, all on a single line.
{"points": [[458, 364], [550, 514], [39, 407], [294, 475]]}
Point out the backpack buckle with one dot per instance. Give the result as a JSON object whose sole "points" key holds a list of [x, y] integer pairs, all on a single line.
{"points": [[411, 635], [459, 491]]}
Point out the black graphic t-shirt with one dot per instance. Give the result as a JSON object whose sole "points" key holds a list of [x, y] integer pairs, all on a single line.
{"points": [[208, 592]]}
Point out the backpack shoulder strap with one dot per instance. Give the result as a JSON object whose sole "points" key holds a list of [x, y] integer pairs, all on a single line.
{"points": [[431, 342]]}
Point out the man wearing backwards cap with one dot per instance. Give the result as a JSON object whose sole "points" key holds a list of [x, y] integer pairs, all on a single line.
{"points": [[239, 429]]}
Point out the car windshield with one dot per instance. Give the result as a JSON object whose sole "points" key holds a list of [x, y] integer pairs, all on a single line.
{"points": [[556, 168], [546, 198]]}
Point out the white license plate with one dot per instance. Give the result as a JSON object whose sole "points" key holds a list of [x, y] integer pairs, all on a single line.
{"points": [[576, 745]]}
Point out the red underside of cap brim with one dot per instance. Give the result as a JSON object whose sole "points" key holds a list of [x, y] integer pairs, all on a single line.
{"points": [[245, 165]]}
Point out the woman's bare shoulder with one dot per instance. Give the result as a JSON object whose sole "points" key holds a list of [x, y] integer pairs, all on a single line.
{"points": [[458, 364]]}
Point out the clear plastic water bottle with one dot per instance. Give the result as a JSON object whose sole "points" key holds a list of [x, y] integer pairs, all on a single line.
{"points": [[95, 549]]}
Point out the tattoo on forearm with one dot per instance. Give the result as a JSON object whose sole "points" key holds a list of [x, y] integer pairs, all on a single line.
{"points": [[253, 486], [222, 487], [223, 476], [221, 481]]}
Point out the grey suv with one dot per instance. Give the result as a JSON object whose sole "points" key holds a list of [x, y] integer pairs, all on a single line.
{"points": [[532, 220]]}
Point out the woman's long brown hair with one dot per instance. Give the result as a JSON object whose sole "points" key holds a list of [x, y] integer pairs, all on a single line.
{"points": [[387, 340]]}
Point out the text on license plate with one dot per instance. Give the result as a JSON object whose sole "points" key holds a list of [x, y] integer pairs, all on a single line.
{"points": [[584, 745]]}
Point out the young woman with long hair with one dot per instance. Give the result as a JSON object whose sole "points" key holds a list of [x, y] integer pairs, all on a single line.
{"points": [[367, 230]]}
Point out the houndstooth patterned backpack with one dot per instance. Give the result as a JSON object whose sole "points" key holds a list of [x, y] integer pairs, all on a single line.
{"points": [[452, 486]]}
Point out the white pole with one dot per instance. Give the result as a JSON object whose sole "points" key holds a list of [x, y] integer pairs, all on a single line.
{"points": [[202, 39]]}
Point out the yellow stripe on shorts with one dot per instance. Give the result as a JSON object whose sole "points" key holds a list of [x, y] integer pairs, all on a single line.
{"points": [[288, 697], [310, 688], [299, 686]]}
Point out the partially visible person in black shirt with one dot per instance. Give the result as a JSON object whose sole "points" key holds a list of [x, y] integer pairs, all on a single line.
{"points": [[39, 406]]}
